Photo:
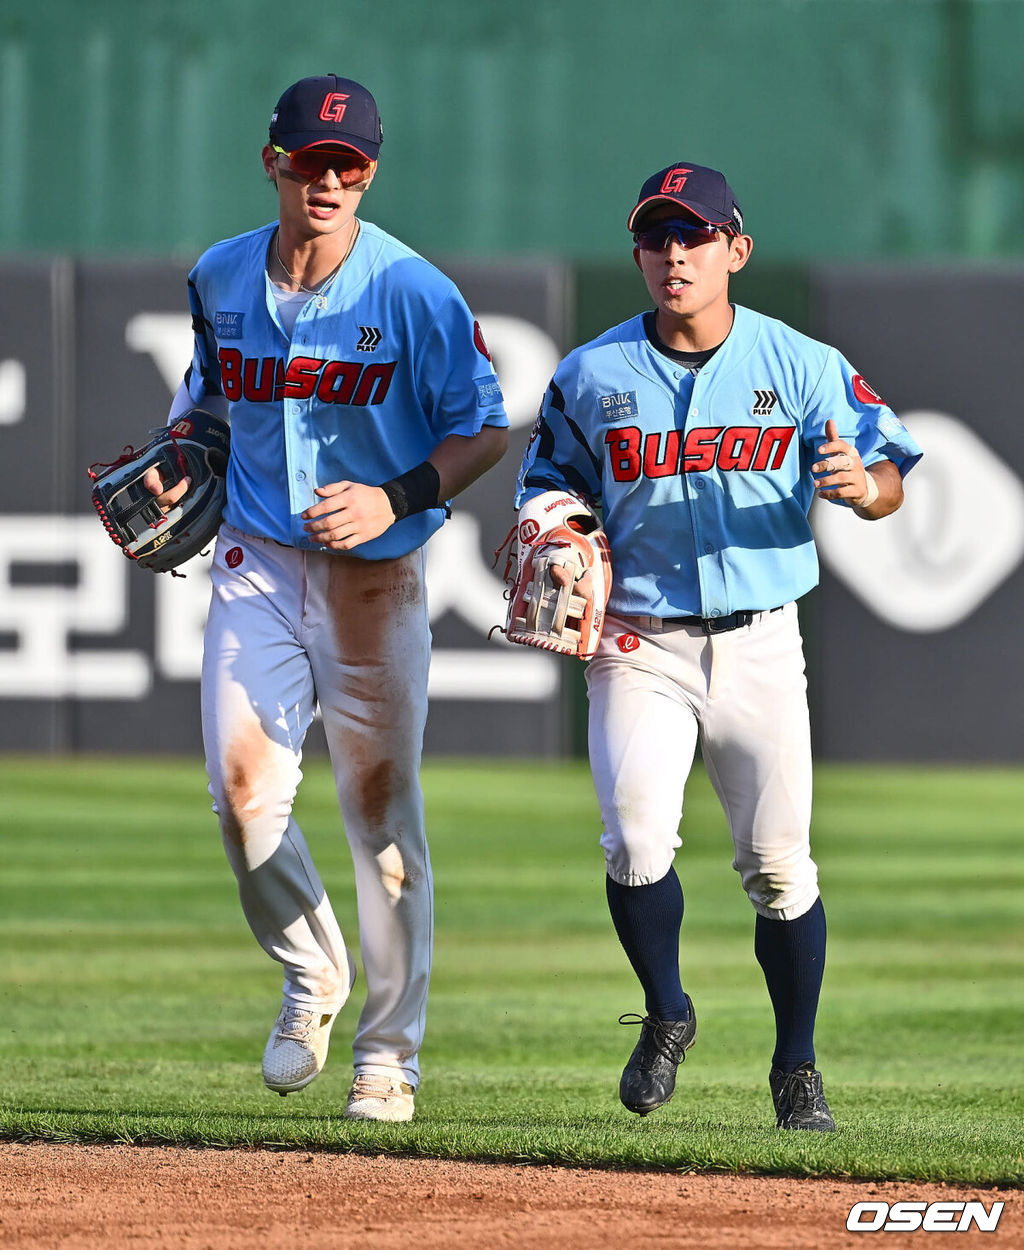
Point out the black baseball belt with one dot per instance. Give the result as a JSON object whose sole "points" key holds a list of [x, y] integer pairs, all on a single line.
{"points": [[707, 624]]}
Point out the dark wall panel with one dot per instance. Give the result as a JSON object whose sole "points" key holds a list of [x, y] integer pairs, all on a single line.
{"points": [[916, 651]]}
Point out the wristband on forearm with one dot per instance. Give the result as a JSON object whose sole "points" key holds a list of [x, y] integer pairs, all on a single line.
{"points": [[870, 491], [415, 491]]}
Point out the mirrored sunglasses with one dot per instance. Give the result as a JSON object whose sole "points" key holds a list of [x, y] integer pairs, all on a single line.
{"points": [[685, 233], [313, 163]]}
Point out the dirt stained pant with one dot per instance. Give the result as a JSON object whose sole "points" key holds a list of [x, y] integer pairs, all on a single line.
{"points": [[288, 630], [653, 689]]}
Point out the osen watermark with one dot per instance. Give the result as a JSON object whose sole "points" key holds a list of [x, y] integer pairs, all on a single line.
{"points": [[929, 1217]]}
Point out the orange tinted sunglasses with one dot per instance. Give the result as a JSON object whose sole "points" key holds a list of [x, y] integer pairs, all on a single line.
{"points": [[313, 163]]}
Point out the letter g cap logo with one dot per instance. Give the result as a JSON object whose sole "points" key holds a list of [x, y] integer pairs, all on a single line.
{"points": [[333, 107], [675, 180]]}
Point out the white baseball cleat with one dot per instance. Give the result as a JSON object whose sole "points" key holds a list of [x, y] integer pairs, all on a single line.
{"points": [[297, 1048], [375, 1097]]}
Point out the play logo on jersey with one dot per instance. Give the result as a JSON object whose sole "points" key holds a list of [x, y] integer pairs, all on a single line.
{"points": [[369, 338], [627, 643], [228, 325], [619, 406]]}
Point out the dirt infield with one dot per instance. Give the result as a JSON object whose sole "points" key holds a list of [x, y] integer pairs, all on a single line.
{"points": [[79, 1197]]}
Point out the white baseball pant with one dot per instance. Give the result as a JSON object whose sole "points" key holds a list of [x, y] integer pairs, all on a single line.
{"points": [[287, 630], [652, 691]]}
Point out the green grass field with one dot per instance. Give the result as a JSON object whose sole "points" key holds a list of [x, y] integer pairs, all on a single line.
{"points": [[134, 1004]]}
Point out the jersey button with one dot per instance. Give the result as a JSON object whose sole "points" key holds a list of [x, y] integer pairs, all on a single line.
{"points": [[694, 412], [699, 483], [708, 547], [716, 611], [300, 476]]}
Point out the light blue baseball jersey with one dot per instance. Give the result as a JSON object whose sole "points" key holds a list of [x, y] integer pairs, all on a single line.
{"points": [[373, 376], [705, 482]]}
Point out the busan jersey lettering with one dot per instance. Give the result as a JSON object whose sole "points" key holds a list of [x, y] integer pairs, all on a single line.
{"points": [[377, 371], [704, 482]]}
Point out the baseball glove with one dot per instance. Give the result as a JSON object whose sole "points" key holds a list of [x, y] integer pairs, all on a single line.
{"points": [[563, 577], [195, 446]]}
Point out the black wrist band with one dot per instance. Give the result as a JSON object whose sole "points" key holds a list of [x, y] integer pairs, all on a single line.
{"points": [[415, 491]]}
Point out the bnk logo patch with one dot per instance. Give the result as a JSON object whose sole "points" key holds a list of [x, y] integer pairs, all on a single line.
{"points": [[228, 325], [618, 407]]}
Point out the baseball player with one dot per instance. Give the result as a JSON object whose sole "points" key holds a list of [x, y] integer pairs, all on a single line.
{"points": [[702, 431], [361, 398]]}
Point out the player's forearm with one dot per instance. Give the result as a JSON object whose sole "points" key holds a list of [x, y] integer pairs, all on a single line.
{"points": [[183, 402], [459, 460], [890, 491]]}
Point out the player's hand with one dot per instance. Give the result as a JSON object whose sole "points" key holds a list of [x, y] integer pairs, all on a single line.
{"points": [[166, 499], [843, 473], [348, 514], [563, 575]]}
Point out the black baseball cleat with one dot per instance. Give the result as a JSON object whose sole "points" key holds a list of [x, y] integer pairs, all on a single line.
{"points": [[799, 1100], [649, 1079]]}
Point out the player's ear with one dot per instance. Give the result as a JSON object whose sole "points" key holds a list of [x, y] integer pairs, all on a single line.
{"points": [[740, 247], [270, 163], [636, 259]]}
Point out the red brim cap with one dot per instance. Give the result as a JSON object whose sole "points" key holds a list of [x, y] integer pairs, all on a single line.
{"points": [[358, 149], [327, 110], [696, 188], [698, 210]]}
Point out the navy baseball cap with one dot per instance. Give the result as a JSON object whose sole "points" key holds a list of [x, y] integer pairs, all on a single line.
{"points": [[327, 111], [700, 190]]}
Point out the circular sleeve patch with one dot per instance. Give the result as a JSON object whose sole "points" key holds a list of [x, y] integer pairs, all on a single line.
{"points": [[865, 393], [478, 339]]}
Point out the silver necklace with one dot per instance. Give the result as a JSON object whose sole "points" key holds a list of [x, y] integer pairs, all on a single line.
{"points": [[319, 292]]}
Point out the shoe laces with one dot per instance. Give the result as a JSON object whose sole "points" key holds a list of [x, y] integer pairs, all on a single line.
{"points": [[798, 1090], [373, 1085], [659, 1032], [298, 1024]]}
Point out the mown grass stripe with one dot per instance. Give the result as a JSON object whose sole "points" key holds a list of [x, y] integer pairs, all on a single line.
{"points": [[134, 1004]]}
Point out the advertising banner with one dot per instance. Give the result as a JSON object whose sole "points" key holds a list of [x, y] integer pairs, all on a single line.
{"points": [[98, 654]]}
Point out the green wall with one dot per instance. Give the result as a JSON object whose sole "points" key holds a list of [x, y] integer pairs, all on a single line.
{"points": [[850, 128]]}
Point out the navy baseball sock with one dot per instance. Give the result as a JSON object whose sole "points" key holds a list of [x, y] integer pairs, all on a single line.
{"points": [[792, 956], [647, 919]]}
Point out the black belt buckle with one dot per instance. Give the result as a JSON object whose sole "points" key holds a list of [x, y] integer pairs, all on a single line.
{"points": [[723, 624]]}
